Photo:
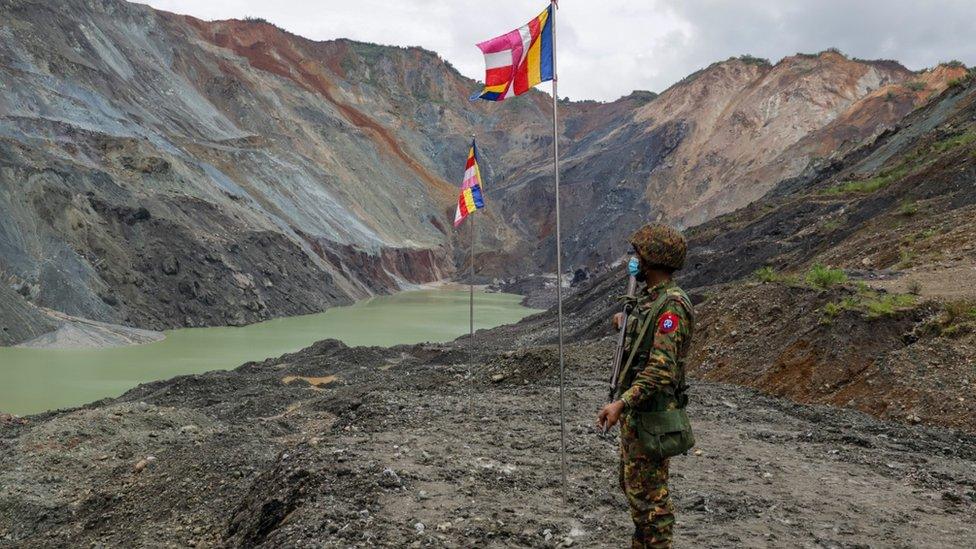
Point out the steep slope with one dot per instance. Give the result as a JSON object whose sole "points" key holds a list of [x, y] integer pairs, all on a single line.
{"points": [[717, 141], [891, 329], [163, 171], [19, 320]]}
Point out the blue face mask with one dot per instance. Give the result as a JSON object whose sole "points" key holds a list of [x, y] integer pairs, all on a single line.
{"points": [[633, 266]]}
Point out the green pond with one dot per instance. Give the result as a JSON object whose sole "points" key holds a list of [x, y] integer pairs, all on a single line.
{"points": [[36, 380]]}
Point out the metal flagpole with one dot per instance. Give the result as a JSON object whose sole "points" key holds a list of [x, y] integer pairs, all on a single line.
{"points": [[471, 280], [559, 254], [471, 251]]}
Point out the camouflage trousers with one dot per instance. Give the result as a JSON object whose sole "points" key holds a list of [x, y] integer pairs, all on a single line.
{"points": [[645, 483]]}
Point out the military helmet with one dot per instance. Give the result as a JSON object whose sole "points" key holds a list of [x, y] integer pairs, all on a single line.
{"points": [[659, 244]]}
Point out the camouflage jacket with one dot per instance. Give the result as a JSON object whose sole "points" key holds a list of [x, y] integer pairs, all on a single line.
{"points": [[659, 363]]}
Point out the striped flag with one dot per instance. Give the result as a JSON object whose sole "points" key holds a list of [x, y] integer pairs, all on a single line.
{"points": [[517, 61], [471, 198]]}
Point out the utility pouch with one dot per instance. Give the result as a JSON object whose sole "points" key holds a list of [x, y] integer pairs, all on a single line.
{"points": [[665, 434]]}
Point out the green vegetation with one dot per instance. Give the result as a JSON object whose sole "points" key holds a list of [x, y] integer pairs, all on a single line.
{"points": [[821, 276], [887, 304], [832, 225], [954, 64], [914, 287], [958, 82], [908, 164], [250, 19], [908, 208], [870, 303], [953, 142], [768, 274], [906, 256], [753, 60], [882, 180], [916, 85], [642, 97], [956, 318]]}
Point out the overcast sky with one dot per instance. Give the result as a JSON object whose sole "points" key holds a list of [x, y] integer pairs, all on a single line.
{"points": [[607, 48]]}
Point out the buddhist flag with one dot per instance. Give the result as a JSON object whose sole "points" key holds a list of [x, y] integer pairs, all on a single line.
{"points": [[471, 198], [516, 61]]}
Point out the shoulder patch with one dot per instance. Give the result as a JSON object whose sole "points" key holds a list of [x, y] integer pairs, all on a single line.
{"points": [[667, 323]]}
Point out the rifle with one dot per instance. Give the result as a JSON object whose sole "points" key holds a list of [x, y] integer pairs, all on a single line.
{"points": [[618, 356]]}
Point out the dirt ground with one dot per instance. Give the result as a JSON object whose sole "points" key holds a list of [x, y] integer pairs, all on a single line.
{"points": [[948, 283], [456, 446]]}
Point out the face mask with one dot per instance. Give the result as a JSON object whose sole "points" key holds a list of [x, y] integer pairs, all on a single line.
{"points": [[633, 266]]}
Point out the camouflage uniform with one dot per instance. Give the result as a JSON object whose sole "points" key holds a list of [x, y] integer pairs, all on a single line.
{"points": [[654, 381]]}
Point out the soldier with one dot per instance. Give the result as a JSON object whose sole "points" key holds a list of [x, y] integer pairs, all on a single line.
{"points": [[652, 392]]}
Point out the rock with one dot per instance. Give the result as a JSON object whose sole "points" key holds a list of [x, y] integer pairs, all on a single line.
{"points": [[951, 497], [419, 527], [444, 526], [389, 479], [170, 265], [547, 534], [143, 463], [497, 378]]}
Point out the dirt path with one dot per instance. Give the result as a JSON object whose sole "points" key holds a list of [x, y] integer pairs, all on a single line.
{"points": [[418, 447], [957, 282]]}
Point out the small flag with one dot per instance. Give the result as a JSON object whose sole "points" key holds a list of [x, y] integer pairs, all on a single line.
{"points": [[471, 198], [516, 61]]}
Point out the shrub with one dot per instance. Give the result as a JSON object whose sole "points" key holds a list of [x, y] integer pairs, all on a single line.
{"points": [[905, 258], [753, 60], [957, 311], [250, 19], [915, 85], [871, 304], [821, 276], [914, 287], [954, 64], [908, 208], [887, 305], [766, 274], [957, 318]]}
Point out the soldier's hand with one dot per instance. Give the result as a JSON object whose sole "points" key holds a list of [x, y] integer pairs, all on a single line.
{"points": [[609, 415], [617, 321]]}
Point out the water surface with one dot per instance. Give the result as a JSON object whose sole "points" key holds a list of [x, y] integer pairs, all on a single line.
{"points": [[35, 380]]}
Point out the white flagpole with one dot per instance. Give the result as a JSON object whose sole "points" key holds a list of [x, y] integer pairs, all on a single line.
{"points": [[559, 255]]}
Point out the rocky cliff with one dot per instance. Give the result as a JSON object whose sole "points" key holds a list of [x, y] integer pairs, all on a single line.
{"points": [[161, 171]]}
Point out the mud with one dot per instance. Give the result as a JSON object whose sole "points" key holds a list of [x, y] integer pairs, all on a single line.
{"points": [[455, 446]]}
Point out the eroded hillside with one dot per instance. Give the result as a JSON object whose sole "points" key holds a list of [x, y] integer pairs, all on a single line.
{"points": [[163, 171]]}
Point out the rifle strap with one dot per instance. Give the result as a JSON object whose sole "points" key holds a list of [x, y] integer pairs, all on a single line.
{"points": [[635, 346], [649, 317]]}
